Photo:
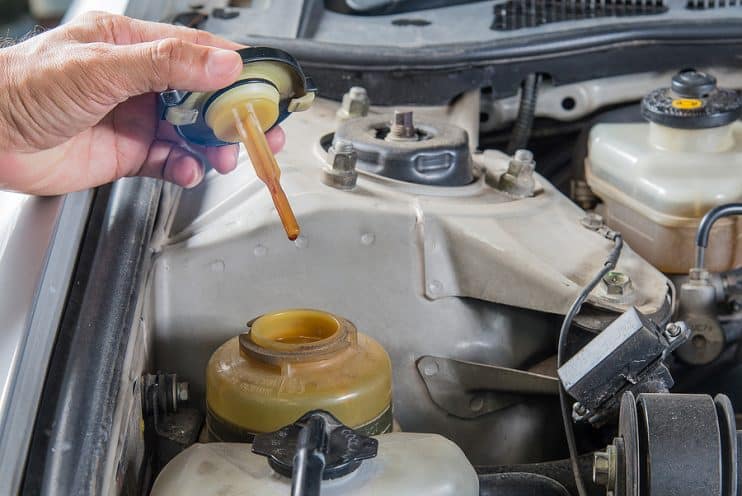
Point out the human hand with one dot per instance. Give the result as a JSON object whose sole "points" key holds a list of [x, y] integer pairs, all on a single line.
{"points": [[78, 104]]}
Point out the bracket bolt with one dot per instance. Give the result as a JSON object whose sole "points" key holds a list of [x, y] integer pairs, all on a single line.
{"points": [[617, 283]]}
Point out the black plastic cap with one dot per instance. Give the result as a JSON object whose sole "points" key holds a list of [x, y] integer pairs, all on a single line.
{"points": [[342, 448], [692, 102], [693, 84]]}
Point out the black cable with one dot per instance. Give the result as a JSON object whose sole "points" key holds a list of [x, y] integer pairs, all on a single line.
{"points": [[609, 265], [704, 228], [526, 112]]}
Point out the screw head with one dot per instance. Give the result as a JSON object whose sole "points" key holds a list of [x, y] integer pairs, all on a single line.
{"points": [[617, 283]]}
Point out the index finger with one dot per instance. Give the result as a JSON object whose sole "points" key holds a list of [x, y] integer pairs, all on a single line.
{"points": [[122, 30]]}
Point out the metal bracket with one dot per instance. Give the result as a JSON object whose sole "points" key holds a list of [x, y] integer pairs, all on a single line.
{"points": [[469, 390]]}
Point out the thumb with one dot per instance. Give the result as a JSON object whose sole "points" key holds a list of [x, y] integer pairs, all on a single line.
{"points": [[172, 63]]}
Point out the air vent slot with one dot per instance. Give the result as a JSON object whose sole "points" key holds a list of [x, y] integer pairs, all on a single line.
{"points": [[518, 14], [711, 4]]}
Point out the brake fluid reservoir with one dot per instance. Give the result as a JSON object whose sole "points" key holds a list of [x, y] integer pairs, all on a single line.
{"points": [[291, 362], [658, 179]]}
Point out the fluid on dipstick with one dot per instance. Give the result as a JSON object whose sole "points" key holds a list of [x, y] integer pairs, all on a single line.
{"points": [[262, 158]]}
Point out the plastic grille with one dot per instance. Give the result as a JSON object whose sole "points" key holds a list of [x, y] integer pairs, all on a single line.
{"points": [[518, 14], [711, 4]]}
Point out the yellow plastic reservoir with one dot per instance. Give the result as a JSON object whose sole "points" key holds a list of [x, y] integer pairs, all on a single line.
{"points": [[291, 362]]}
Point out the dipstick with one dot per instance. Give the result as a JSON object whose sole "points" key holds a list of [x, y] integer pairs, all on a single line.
{"points": [[266, 167]]}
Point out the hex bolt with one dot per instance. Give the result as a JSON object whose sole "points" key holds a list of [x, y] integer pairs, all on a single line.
{"points": [[673, 330], [605, 467], [593, 221], [355, 103], [518, 180], [402, 127], [617, 283], [579, 412], [341, 171], [182, 391]]}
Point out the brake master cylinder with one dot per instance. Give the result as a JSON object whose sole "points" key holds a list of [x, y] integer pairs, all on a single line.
{"points": [[292, 362], [271, 86], [658, 179]]}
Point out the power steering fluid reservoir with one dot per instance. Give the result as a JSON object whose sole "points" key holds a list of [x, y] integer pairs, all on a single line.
{"points": [[658, 179], [271, 86], [291, 362]]}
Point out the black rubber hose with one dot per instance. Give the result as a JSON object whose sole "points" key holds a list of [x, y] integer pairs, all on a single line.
{"points": [[609, 265], [708, 221], [526, 113]]}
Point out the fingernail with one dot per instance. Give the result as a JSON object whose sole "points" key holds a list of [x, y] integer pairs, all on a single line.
{"points": [[196, 177], [223, 63]]}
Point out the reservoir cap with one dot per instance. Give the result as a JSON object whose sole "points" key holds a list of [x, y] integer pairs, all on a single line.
{"points": [[693, 101], [271, 79], [316, 435]]}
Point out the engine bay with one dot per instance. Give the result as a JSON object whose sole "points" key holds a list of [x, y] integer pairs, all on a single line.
{"points": [[524, 291]]}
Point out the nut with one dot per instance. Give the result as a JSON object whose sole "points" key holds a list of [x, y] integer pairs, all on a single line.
{"points": [[518, 180], [699, 276], [341, 170], [355, 103], [605, 467], [617, 283]]}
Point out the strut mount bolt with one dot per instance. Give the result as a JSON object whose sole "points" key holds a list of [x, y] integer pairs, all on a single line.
{"points": [[341, 171], [355, 103], [403, 127]]}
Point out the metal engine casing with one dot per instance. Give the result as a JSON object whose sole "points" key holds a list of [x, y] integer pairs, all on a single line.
{"points": [[468, 273]]}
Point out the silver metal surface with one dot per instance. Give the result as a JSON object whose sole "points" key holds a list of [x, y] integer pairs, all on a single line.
{"points": [[698, 308], [587, 96], [470, 390], [39, 240], [467, 273]]}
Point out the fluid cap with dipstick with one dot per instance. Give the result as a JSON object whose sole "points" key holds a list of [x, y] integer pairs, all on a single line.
{"points": [[271, 87]]}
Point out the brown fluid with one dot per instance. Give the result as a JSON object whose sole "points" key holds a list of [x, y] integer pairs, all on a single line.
{"points": [[265, 165], [298, 339]]}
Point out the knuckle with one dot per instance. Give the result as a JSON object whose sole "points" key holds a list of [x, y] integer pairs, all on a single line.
{"points": [[163, 54], [105, 24]]}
